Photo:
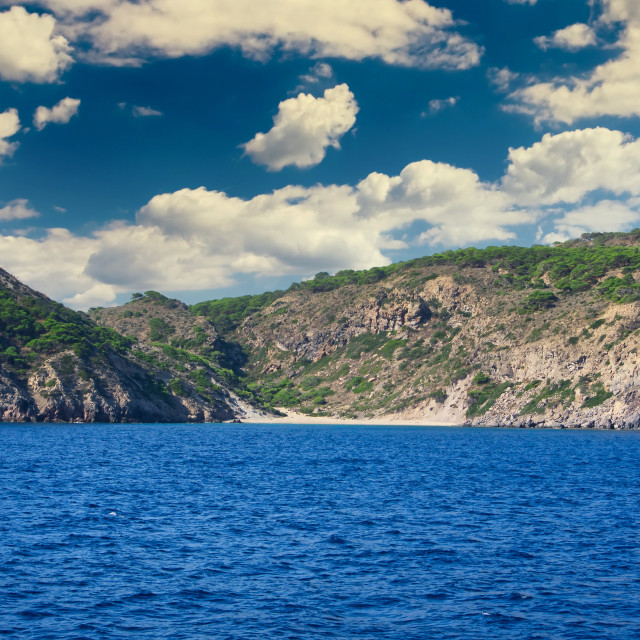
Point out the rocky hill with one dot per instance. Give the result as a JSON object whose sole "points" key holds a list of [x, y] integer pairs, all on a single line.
{"points": [[539, 336], [59, 365], [184, 355], [502, 336]]}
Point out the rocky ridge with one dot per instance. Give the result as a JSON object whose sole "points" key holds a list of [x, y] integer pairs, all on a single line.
{"points": [[470, 343]]}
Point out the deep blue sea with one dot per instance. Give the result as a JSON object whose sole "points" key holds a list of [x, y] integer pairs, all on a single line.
{"points": [[304, 532]]}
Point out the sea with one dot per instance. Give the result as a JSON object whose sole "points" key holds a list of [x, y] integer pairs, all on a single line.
{"points": [[249, 531]]}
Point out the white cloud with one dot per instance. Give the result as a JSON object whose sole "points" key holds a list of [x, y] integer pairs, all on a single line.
{"points": [[502, 79], [531, 2], [572, 38], [567, 166], [606, 215], [54, 265], [439, 105], [30, 49], [303, 129], [18, 209], [612, 88], [60, 113], [620, 11], [409, 32], [9, 126], [457, 206], [145, 112], [198, 239], [319, 71]]}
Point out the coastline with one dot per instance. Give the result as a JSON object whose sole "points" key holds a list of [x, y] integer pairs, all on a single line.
{"points": [[295, 417]]}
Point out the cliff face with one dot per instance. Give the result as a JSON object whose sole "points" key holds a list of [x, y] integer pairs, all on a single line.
{"points": [[455, 345], [62, 388], [58, 365]]}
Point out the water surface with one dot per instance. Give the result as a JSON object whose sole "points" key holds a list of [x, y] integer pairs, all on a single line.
{"points": [[303, 532]]}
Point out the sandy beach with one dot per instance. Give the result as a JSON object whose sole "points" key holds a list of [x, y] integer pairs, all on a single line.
{"points": [[295, 417]]}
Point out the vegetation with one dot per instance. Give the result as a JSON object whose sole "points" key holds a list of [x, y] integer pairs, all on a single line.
{"points": [[227, 314], [32, 328], [571, 267], [481, 399]]}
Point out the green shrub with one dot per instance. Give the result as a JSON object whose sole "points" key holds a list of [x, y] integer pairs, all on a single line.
{"points": [[177, 387], [481, 378], [358, 384], [159, 330], [538, 300], [390, 347]]}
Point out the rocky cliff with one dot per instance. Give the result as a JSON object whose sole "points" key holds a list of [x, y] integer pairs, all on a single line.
{"points": [[540, 337], [58, 365]]}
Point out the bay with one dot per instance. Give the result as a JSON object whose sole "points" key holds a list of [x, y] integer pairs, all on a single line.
{"points": [[298, 531]]}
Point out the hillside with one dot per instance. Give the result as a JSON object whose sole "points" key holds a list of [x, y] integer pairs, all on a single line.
{"points": [[183, 353], [501, 336], [59, 365], [539, 336]]}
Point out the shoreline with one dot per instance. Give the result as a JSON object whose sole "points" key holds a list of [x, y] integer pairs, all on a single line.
{"points": [[294, 417]]}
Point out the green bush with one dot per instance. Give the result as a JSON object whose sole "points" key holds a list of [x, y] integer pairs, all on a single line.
{"points": [[358, 384], [538, 300], [481, 378], [159, 330]]}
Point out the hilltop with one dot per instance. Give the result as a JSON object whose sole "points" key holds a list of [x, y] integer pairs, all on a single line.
{"points": [[503, 336]]}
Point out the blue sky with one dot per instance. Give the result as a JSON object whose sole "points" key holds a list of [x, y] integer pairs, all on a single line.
{"points": [[206, 148]]}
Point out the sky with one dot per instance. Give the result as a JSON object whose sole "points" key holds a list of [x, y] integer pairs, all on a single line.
{"points": [[208, 148]]}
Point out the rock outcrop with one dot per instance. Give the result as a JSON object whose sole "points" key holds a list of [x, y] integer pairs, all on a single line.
{"points": [[58, 365]]}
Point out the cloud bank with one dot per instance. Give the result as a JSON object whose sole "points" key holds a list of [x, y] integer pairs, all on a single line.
{"points": [[407, 33], [200, 239]]}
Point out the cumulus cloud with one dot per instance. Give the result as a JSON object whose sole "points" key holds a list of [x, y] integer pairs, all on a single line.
{"points": [[18, 209], [9, 126], [199, 239], [567, 166], [572, 38], [612, 88], [60, 113], [303, 128], [54, 264], [456, 205], [409, 32], [30, 48]]}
